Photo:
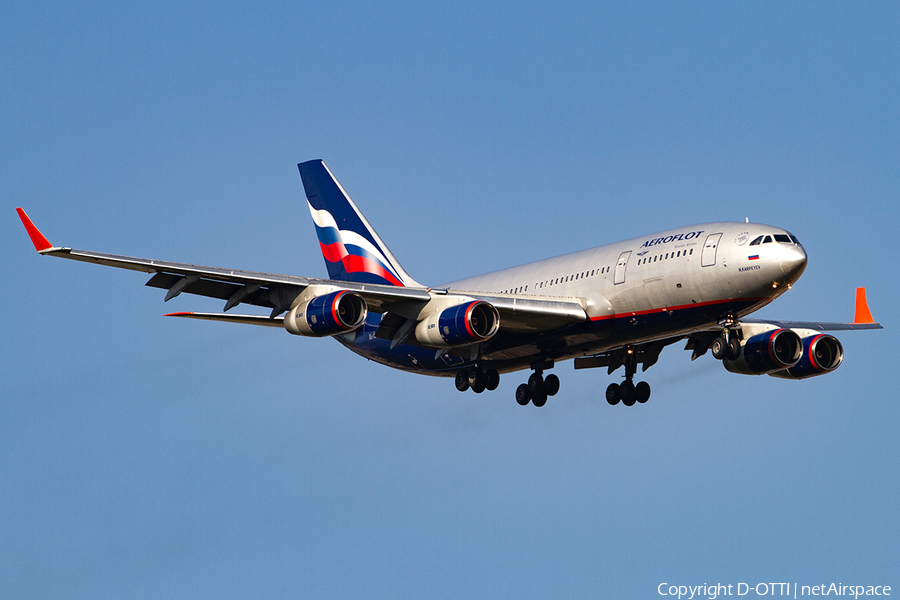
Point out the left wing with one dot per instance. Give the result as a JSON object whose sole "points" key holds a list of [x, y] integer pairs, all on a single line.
{"points": [[277, 292], [231, 285]]}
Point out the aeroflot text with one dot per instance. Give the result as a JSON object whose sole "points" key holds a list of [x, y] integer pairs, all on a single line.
{"points": [[672, 238], [771, 589]]}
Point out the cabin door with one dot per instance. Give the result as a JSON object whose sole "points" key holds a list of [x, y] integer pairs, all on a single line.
{"points": [[708, 258], [620, 268]]}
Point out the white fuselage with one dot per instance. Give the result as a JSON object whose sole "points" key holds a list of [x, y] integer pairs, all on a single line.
{"points": [[662, 271], [660, 286]]}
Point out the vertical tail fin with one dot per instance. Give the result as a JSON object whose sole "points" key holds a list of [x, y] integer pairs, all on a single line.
{"points": [[352, 249]]}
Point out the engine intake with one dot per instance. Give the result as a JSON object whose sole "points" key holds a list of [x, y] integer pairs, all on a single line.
{"points": [[767, 352], [466, 323], [329, 314], [822, 354]]}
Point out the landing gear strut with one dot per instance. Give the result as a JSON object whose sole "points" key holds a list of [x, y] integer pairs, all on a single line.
{"points": [[627, 391]]}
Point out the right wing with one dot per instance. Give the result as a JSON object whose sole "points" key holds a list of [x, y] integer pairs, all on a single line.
{"points": [[862, 319]]}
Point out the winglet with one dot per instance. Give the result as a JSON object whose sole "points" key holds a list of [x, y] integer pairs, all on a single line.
{"points": [[862, 314], [37, 238]]}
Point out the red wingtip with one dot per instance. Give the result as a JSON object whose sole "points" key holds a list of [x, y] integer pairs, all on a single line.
{"points": [[862, 314], [37, 238]]}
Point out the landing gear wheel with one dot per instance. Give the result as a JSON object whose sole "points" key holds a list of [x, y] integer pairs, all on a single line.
{"points": [[628, 393], [492, 379], [535, 383], [734, 349], [642, 392], [551, 385], [462, 381], [719, 348], [539, 399], [612, 394], [523, 396], [477, 380]]}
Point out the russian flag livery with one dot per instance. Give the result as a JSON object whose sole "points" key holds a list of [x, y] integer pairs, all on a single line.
{"points": [[350, 246]]}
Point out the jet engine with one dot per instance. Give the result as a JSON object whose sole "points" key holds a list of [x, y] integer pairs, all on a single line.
{"points": [[767, 352], [466, 323], [822, 353], [329, 314]]}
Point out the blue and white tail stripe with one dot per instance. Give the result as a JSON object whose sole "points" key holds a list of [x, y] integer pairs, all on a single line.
{"points": [[351, 247]]}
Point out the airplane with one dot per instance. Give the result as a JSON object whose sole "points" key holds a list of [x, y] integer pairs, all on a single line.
{"points": [[614, 306]]}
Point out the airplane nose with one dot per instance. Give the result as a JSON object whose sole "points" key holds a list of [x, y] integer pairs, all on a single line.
{"points": [[793, 261]]}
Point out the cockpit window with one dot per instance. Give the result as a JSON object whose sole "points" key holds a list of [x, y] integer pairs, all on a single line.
{"points": [[780, 237], [757, 241], [768, 240], [794, 239]]}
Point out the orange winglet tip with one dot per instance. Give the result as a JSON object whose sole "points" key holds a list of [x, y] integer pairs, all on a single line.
{"points": [[862, 314], [37, 238], [178, 314]]}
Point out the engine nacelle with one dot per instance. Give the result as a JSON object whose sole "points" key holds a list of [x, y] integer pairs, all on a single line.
{"points": [[328, 314], [822, 354], [466, 323], [767, 352]]}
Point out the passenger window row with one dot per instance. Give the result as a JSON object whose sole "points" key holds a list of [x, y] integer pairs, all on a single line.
{"points": [[666, 256], [558, 280]]}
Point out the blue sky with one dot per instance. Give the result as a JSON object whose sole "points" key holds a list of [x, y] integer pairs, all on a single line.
{"points": [[142, 457]]}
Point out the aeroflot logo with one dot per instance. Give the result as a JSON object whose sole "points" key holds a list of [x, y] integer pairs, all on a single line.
{"points": [[672, 238]]}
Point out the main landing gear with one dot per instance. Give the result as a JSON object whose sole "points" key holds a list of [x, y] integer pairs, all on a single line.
{"points": [[628, 392], [477, 380], [537, 389], [728, 345]]}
